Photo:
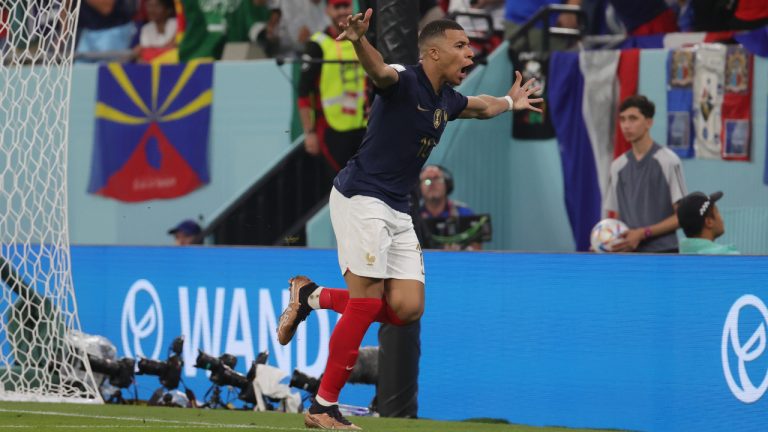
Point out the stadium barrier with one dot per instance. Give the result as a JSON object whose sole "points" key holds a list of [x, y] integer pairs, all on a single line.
{"points": [[579, 340]]}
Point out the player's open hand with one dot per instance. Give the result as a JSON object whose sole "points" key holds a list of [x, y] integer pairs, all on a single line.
{"points": [[521, 94], [355, 26]]}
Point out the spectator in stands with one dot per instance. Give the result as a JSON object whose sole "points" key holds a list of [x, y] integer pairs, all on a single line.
{"points": [[646, 17], [209, 25], [265, 31], [4, 45], [299, 20], [105, 30], [750, 14], [332, 95], [518, 12], [436, 185], [158, 36], [494, 8], [702, 223], [717, 15], [644, 184], [429, 10], [187, 232]]}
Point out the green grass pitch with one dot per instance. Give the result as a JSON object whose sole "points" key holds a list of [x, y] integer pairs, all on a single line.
{"points": [[24, 416]]}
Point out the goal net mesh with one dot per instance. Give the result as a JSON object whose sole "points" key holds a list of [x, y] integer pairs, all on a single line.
{"points": [[39, 356]]}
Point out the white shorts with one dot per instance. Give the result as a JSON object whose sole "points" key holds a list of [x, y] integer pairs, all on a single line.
{"points": [[375, 240]]}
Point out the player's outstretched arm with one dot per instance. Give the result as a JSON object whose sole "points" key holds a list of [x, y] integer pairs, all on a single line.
{"points": [[354, 31], [518, 98]]}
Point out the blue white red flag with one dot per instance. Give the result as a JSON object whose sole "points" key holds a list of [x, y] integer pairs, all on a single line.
{"points": [[583, 101], [755, 41], [151, 134]]}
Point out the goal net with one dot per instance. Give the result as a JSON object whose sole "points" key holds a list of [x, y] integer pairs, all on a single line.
{"points": [[39, 356]]}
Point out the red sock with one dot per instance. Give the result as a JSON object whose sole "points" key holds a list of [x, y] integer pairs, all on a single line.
{"points": [[344, 344], [336, 299]]}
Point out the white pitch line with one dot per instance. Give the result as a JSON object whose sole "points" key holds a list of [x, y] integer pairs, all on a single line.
{"points": [[100, 427], [148, 419]]}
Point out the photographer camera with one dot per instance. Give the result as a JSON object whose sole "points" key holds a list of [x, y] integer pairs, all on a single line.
{"points": [[119, 372], [223, 374], [260, 387], [111, 374], [169, 374], [365, 371]]}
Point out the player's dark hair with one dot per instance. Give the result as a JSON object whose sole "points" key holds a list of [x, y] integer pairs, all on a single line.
{"points": [[437, 28], [642, 103]]}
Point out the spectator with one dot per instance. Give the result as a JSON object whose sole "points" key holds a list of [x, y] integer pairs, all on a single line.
{"points": [[429, 10], [646, 17], [187, 232], [716, 15], [749, 14], [105, 29], [209, 25], [702, 223], [645, 184], [4, 25], [332, 95], [265, 29], [494, 8], [518, 12], [299, 20], [436, 185], [158, 36]]}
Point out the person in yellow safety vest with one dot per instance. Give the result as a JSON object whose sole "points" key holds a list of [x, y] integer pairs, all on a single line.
{"points": [[332, 101]]}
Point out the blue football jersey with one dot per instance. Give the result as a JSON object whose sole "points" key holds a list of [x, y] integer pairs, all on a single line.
{"points": [[406, 122]]}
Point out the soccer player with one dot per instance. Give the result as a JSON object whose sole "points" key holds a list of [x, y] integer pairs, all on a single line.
{"points": [[378, 251]]}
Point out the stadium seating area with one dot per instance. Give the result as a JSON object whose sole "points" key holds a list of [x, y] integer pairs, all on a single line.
{"points": [[618, 341]]}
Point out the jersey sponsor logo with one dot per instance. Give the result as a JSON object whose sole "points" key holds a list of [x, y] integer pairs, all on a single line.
{"points": [[418, 107], [752, 348]]}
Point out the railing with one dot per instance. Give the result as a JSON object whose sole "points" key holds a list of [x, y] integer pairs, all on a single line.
{"points": [[542, 16], [274, 210]]}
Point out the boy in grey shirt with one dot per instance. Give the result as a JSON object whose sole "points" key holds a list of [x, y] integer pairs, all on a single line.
{"points": [[645, 184]]}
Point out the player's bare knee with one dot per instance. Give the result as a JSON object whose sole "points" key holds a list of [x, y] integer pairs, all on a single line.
{"points": [[410, 314]]}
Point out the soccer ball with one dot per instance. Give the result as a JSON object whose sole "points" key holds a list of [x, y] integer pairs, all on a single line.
{"points": [[606, 233]]}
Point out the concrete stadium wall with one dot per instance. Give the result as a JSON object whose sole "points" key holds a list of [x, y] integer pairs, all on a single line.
{"points": [[250, 125], [518, 182]]}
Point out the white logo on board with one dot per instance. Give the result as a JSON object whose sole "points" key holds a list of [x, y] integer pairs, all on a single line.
{"points": [[752, 348], [135, 328]]}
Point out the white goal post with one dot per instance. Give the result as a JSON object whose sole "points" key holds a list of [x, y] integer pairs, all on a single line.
{"points": [[40, 358]]}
